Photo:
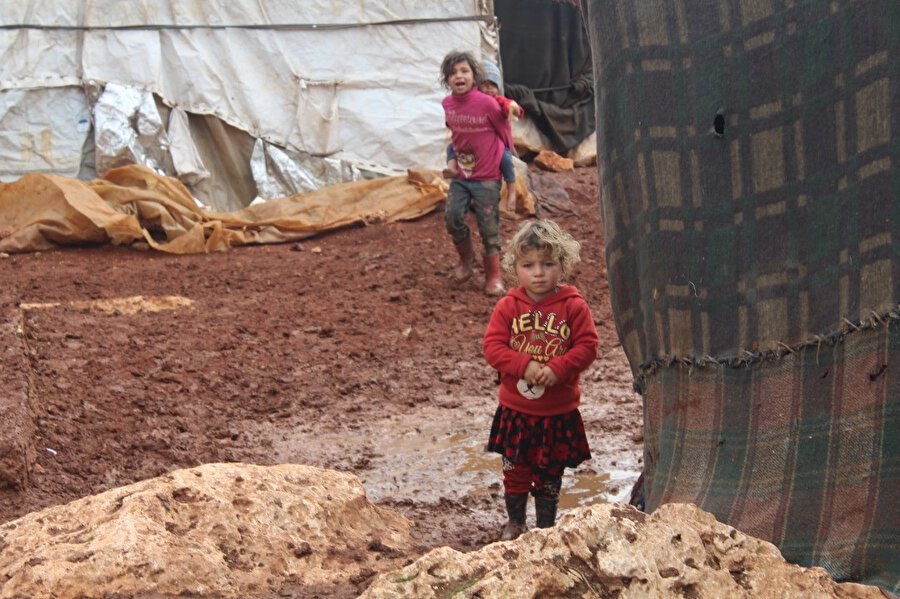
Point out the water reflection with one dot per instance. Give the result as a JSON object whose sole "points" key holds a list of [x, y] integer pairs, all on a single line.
{"points": [[428, 456], [581, 486]]}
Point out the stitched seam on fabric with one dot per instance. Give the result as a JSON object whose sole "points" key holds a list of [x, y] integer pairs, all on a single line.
{"points": [[747, 358]]}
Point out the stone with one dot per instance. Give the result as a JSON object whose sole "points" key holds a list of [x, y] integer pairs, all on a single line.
{"points": [[608, 550], [234, 530], [551, 161], [218, 530]]}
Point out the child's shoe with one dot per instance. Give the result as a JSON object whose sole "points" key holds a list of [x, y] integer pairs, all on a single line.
{"points": [[493, 280], [515, 510], [463, 270], [546, 502]]}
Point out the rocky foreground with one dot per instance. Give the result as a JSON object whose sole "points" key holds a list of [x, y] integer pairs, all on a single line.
{"points": [[241, 531]]}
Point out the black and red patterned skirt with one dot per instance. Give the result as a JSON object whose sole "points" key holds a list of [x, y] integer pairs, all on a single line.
{"points": [[547, 443]]}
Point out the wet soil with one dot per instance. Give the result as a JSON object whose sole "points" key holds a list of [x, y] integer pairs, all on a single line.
{"points": [[350, 351]]}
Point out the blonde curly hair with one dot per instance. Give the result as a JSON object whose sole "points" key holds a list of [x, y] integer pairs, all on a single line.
{"points": [[543, 236]]}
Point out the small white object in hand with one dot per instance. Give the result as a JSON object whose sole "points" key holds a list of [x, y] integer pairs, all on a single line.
{"points": [[529, 391]]}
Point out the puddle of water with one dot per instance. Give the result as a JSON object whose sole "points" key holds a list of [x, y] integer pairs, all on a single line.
{"points": [[442, 458], [437, 453], [478, 460], [432, 459], [580, 487], [583, 489]]}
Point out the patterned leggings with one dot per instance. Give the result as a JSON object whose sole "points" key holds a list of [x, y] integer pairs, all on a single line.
{"points": [[520, 478]]}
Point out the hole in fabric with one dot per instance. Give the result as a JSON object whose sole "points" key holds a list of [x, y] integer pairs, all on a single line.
{"points": [[874, 376], [719, 125]]}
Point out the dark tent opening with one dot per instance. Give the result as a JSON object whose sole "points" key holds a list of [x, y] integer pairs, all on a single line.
{"points": [[546, 59]]}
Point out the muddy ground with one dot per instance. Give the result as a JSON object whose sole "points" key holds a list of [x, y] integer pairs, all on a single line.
{"points": [[350, 351]]}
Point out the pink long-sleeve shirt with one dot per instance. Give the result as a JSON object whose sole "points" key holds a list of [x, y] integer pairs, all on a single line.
{"points": [[480, 131]]}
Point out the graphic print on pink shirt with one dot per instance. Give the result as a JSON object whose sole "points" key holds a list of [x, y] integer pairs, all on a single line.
{"points": [[468, 124]]}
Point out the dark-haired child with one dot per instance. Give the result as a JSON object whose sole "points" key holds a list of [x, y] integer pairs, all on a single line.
{"points": [[479, 134]]}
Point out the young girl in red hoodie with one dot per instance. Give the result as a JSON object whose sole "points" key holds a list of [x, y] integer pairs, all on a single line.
{"points": [[541, 337], [479, 133]]}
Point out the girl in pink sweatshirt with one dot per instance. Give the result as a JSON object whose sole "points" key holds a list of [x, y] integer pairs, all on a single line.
{"points": [[541, 337], [479, 133]]}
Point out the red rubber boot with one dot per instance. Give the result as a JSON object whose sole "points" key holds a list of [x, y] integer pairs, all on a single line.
{"points": [[493, 280], [463, 271]]}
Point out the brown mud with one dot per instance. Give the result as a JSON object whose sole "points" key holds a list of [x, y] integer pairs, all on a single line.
{"points": [[350, 351]]}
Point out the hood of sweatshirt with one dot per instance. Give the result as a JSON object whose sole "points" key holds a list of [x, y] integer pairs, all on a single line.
{"points": [[564, 293]]}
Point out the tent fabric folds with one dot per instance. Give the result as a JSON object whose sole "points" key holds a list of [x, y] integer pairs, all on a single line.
{"points": [[340, 90], [749, 188]]}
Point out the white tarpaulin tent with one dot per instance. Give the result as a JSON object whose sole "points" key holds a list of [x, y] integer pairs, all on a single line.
{"points": [[236, 98]]}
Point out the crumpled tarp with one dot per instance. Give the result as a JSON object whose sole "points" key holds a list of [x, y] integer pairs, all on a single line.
{"points": [[133, 205]]}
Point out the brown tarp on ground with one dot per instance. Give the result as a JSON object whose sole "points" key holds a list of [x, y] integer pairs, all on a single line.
{"points": [[750, 191], [133, 205]]}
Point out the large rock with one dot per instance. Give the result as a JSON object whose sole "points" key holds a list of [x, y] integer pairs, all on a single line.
{"points": [[234, 530], [616, 551], [219, 530]]}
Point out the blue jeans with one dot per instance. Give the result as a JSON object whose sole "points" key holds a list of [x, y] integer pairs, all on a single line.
{"points": [[507, 168], [482, 198]]}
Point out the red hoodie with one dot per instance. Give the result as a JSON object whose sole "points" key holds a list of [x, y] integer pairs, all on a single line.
{"points": [[557, 331]]}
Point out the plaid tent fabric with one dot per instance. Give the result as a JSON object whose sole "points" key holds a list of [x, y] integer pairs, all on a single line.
{"points": [[802, 451], [750, 191]]}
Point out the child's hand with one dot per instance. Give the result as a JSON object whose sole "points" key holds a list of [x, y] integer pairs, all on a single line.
{"points": [[546, 377], [452, 170], [532, 371]]}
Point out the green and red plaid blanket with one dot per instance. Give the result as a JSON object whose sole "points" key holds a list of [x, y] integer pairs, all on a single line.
{"points": [[750, 192], [803, 451]]}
